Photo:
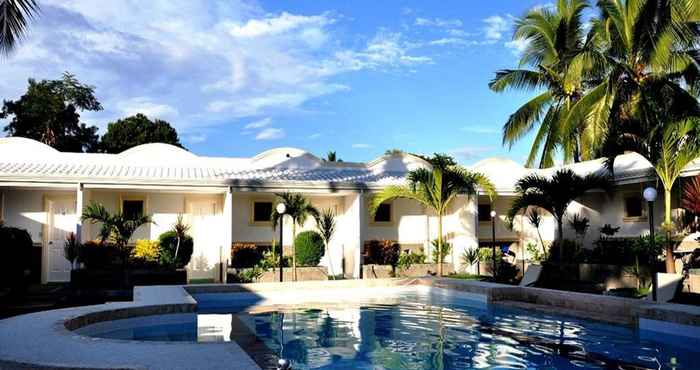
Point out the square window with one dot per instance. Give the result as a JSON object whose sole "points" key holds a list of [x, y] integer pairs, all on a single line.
{"points": [[132, 209], [484, 212], [262, 211], [634, 206], [383, 213]]}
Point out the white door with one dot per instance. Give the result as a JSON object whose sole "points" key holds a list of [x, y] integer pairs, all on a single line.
{"points": [[61, 221], [205, 222]]}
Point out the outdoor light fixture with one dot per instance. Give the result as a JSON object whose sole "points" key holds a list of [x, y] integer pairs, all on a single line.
{"points": [[493, 240], [281, 208], [649, 195]]}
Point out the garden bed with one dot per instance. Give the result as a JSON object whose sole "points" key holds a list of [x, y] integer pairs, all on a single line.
{"points": [[415, 270], [303, 274], [116, 278]]}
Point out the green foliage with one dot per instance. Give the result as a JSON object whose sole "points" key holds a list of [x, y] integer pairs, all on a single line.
{"points": [[71, 249], [437, 253], [331, 156], [136, 130], [536, 253], [406, 260], [381, 252], [580, 224], [608, 230], [16, 16], [298, 208], [169, 244], [470, 256], [99, 255], [464, 276], [245, 255], [48, 112], [17, 251], [309, 248], [248, 275]]}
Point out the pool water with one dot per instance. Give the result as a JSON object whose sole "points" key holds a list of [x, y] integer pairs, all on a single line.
{"points": [[418, 330]]}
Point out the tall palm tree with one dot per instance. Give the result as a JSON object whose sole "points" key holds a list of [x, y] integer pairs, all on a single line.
{"points": [[554, 194], [436, 188], [669, 148], [117, 228], [331, 156], [14, 20], [325, 223], [298, 208], [553, 38]]}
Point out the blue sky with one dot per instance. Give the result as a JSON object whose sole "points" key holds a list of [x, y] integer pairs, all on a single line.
{"points": [[239, 77]]}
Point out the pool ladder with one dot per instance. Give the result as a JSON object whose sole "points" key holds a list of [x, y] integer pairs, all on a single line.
{"points": [[283, 364]]}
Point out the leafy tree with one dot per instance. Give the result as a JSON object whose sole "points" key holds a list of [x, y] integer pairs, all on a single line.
{"points": [[48, 112], [554, 194], [669, 148], [331, 156], [298, 208], [14, 19], [325, 224], [117, 228], [136, 130], [436, 188]]}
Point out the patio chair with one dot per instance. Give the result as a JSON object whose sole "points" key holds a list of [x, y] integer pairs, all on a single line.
{"points": [[532, 274]]}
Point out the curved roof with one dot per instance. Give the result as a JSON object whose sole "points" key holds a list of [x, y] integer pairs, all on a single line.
{"points": [[23, 147], [503, 172], [156, 152]]}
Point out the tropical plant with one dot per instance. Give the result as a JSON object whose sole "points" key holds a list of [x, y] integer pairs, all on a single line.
{"points": [[71, 249], [436, 188], [325, 224], [406, 260], [691, 195], [332, 156], [298, 208], [15, 16], [180, 228], [580, 224], [439, 252], [470, 257], [554, 37], [117, 228], [534, 217], [670, 147], [309, 248], [146, 250], [554, 194], [534, 253], [173, 254], [608, 231]]}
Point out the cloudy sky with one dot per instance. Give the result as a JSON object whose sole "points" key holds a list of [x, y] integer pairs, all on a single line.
{"points": [[238, 77]]}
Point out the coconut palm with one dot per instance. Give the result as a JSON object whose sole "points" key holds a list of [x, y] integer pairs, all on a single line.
{"points": [[325, 224], [332, 156], [535, 219], [14, 20], [436, 188], [669, 148], [298, 208], [117, 228], [554, 194], [553, 38]]}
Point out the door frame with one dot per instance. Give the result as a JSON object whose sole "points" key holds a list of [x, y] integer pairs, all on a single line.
{"points": [[46, 231]]}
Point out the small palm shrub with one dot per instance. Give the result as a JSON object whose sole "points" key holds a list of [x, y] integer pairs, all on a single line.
{"points": [[446, 250], [146, 251], [244, 255], [309, 248], [98, 255], [381, 252], [71, 249], [536, 254], [406, 260], [168, 246]]}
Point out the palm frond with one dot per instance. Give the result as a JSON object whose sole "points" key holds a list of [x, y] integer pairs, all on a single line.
{"points": [[15, 16]]}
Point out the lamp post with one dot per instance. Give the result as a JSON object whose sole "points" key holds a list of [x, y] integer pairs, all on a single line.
{"points": [[493, 241], [650, 196], [281, 208]]}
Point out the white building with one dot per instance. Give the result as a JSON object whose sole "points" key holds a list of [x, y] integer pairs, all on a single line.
{"points": [[228, 200]]}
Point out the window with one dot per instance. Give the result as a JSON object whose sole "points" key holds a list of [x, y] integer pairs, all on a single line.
{"points": [[262, 211], [132, 208], [484, 211], [634, 206], [383, 213]]}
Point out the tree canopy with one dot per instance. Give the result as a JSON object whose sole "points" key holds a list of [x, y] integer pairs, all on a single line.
{"points": [[49, 112], [136, 130]]}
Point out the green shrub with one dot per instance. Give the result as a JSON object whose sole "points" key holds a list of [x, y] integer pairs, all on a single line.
{"points": [[146, 250], [446, 250], [17, 250], [244, 255], [381, 252], [97, 256], [168, 245], [309, 248], [406, 260]]}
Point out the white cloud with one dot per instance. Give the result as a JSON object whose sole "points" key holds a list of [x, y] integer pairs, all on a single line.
{"points": [[468, 153], [148, 107], [488, 130], [195, 138], [361, 146], [314, 136], [270, 133], [448, 41], [517, 46], [258, 124], [275, 25], [386, 49], [438, 22], [495, 27]]}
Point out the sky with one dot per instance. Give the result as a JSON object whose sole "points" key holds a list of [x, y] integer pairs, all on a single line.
{"points": [[239, 77]]}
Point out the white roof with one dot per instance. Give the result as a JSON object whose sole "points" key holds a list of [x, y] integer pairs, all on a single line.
{"points": [[24, 159]]}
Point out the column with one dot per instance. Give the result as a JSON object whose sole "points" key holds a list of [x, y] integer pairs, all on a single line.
{"points": [[79, 205], [355, 215], [227, 237]]}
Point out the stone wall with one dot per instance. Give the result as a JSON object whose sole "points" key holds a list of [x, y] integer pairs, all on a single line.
{"points": [[416, 270]]}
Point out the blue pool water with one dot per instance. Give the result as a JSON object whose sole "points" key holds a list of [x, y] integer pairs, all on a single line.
{"points": [[418, 331]]}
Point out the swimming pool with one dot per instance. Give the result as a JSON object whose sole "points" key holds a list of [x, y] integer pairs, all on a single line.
{"points": [[411, 329]]}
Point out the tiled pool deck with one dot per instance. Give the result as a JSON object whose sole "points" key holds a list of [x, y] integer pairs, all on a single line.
{"points": [[44, 340]]}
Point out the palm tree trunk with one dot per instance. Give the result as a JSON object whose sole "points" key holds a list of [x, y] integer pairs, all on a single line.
{"points": [[439, 253], [544, 250], [560, 239], [670, 263], [294, 250]]}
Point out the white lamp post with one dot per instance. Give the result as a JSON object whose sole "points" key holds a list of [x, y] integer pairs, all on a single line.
{"points": [[281, 208], [493, 241], [649, 195]]}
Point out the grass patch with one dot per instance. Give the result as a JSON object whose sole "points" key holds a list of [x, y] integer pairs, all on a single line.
{"points": [[465, 276], [201, 281]]}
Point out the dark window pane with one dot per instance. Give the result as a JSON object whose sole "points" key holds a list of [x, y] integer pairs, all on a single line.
{"points": [[484, 212], [262, 211], [633, 207], [132, 208], [383, 213]]}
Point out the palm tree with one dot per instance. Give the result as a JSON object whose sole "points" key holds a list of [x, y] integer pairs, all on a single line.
{"points": [[118, 227], [14, 20], [535, 219], [436, 188], [669, 148], [331, 156], [180, 228], [554, 194], [554, 37], [298, 208], [325, 223]]}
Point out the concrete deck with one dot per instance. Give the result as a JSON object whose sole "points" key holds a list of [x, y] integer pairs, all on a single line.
{"points": [[44, 340]]}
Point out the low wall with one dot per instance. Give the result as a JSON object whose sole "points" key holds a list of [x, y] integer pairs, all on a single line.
{"points": [[602, 277], [415, 270], [303, 274]]}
